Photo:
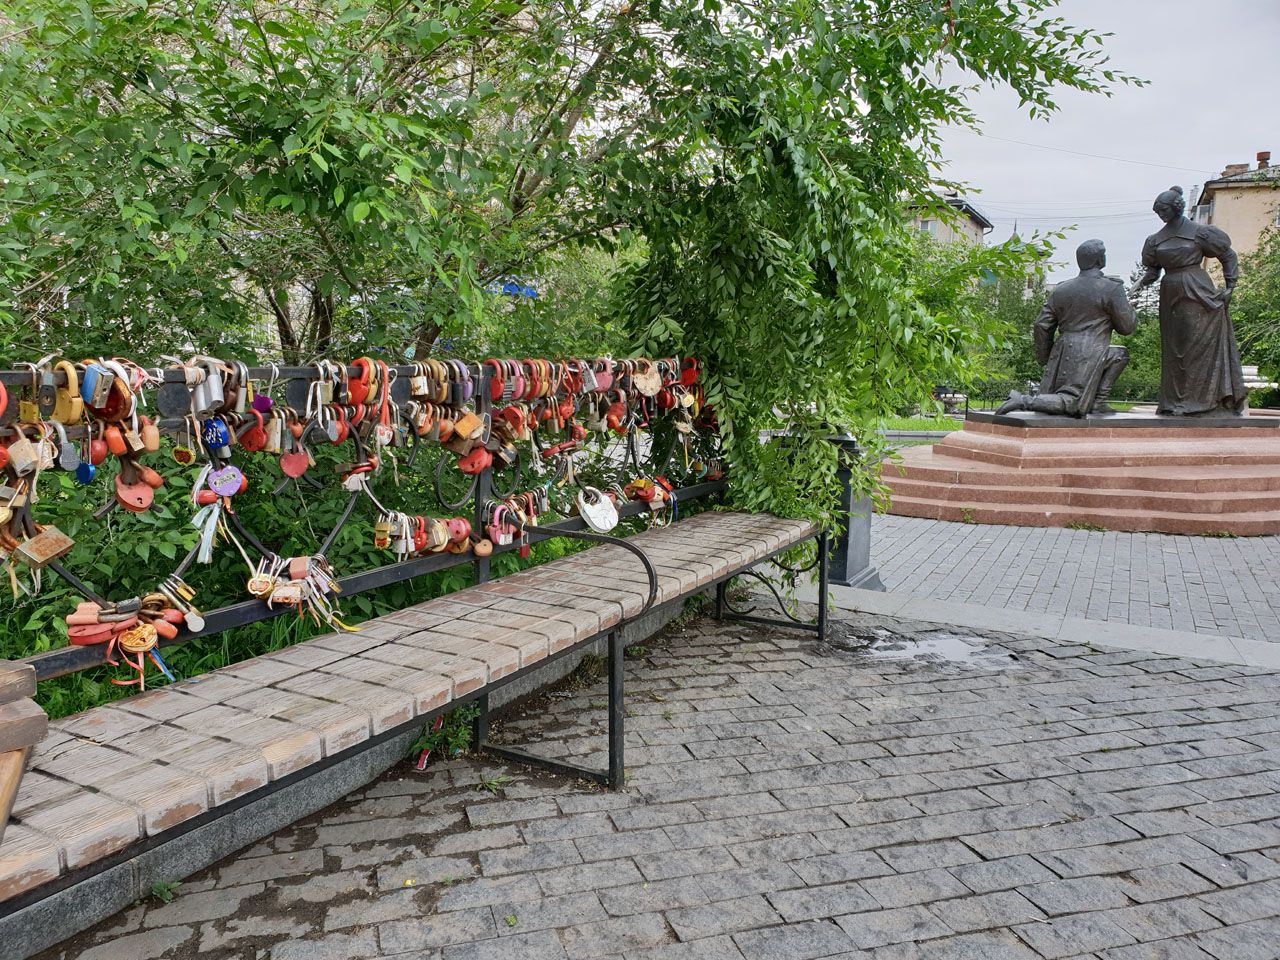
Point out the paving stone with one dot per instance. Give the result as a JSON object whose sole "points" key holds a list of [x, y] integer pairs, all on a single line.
{"points": [[1162, 883], [906, 858], [395, 905], [801, 941], [1178, 948], [722, 917], [711, 948], [321, 888], [878, 928], [421, 933], [629, 844], [1081, 895], [255, 869], [535, 856], [240, 928], [335, 946], [1257, 901], [547, 913], [542, 945], [813, 903], [140, 946], [1002, 874], [1069, 936], [835, 867], [985, 911], [616, 935], [509, 811], [654, 896], [483, 891], [473, 840], [906, 889], [425, 870], [195, 907], [588, 876], [733, 884], [1255, 940], [987, 945], [1236, 869]]}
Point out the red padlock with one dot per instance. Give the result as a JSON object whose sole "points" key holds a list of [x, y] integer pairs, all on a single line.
{"points": [[478, 459], [255, 438]]}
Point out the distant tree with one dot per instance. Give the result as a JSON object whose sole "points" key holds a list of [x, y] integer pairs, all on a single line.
{"points": [[1144, 343], [1256, 305]]}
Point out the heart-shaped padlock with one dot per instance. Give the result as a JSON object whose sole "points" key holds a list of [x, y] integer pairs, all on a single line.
{"points": [[134, 497], [294, 464], [226, 481], [597, 510], [261, 402]]}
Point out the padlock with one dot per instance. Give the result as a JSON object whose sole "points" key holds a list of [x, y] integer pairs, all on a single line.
{"points": [[46, 392], [150, 436], [69, 406], [214, 396], [23, 456], [216, 437], [68, 455], [44, 548]]}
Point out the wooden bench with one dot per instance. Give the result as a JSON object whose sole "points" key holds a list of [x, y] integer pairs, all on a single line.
{"points": [[138, 790]]}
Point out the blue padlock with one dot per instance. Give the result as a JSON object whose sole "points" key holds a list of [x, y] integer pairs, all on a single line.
{"points": [[85, 472], [95, 385], [216, 437]]}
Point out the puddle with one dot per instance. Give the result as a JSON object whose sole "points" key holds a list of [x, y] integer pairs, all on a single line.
{"points": [[924, 646]]}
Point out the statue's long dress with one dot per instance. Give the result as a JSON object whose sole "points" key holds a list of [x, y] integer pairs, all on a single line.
{"points": [[1199, 360]]}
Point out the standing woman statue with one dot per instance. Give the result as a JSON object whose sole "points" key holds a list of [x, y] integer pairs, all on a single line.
{"points": [[1199, 361]]}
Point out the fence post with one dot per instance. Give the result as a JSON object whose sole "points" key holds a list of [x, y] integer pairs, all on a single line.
{"points": [[849, 564]]}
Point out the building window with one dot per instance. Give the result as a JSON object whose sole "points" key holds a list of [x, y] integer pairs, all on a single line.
{"points": [[930, 227]]}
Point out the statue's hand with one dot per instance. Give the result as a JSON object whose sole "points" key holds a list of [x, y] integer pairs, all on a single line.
{"points": [[1225, 294]]}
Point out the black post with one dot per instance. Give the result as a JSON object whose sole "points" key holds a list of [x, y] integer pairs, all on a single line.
{"points": [[484, 480], [720, 591], [617, 711], [851, 560], [480, 728], [822, 584]]}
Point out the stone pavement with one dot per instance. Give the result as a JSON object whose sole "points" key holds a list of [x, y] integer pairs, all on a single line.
{"points": [[1226, 586], [942, 797]]}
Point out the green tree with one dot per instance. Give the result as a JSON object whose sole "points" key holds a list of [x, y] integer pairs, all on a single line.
{"points": [[355, 172], [1255, 308]]}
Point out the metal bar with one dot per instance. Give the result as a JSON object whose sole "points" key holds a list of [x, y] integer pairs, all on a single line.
{"points": [[617, 710], [767, 622], [544, 763], [484, 481], [822, 584], [70, 659], [480, 728], [721, 587]]}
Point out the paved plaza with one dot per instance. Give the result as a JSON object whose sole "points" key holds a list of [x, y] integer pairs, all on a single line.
{"points": [[945, 797], [1227, 586]]}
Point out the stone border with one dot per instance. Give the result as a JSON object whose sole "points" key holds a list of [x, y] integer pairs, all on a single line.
{"points": [[1108, 633]]}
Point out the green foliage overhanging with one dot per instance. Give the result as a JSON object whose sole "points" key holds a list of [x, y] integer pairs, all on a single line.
{"points": [[354, 172]]}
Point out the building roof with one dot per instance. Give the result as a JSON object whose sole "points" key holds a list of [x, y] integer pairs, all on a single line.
{"points": [[969, 210], [1267, 176]]}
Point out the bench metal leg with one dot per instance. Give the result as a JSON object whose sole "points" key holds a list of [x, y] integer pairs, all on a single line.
{"points": [[615, 776], [726, 611]]}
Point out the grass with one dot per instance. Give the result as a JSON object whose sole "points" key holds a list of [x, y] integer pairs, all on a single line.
{"points": [[922, 423]]}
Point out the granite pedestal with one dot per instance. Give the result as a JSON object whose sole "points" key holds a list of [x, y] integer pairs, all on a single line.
{"points": [[1126, 471]]}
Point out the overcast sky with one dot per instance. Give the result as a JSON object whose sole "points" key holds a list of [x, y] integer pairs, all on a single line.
{"points": [[1212, 100]]}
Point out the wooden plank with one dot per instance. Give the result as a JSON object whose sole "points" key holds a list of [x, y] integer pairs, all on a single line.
{"points": [[22, 724], [17, 680], [11, 765]]}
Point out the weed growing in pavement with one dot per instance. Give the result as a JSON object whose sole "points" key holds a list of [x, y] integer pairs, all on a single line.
{"points": [[453, 735], [1082, 525], [495, 784], [165, 890], [966, 514]]}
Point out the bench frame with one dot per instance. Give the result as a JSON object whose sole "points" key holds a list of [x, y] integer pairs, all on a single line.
{"points": [[615, 776]]}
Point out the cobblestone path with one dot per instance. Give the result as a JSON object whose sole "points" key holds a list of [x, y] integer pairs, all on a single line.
{"points": [[1020, 799], [1227, 586]]}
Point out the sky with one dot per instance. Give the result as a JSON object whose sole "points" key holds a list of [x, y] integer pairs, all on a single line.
{"points": [[1212, 100]]}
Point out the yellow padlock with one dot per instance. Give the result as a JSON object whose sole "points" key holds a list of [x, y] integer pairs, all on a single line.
{"points": [[69, 406]]}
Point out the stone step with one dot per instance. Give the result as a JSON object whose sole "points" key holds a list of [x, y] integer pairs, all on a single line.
{"points": [[952, 470], [1054, 515], [1117, 497]]}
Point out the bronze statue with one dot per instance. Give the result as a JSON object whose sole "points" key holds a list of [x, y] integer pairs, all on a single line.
{"points": [[1199, 361], [1073, 341]]}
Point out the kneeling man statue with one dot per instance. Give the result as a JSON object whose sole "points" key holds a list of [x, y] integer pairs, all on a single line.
{"points": [[1073, 341]]}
